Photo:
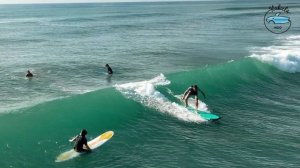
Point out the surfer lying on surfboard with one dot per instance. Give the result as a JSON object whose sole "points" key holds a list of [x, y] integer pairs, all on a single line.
{"points": [[80, 140], [192, 91]]}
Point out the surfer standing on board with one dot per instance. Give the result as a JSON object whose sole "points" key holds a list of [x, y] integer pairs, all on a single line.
{"points": [[192, 91], [80, 140]]}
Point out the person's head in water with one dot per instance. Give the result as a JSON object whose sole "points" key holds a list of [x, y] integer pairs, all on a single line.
{"points": [[195, 87], [83, 132], [107, 65]]}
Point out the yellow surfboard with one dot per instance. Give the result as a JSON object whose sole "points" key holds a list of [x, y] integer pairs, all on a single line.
{"points": [[93, 144]]}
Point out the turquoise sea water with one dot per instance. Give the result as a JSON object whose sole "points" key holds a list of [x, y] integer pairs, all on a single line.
{"points": [[250, 77]]}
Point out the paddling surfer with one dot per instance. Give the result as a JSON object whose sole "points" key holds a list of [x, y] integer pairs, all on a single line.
{"points": [[192, 91]]}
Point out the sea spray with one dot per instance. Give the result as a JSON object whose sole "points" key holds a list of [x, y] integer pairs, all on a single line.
{"points": [[285, 56], [145, 93]]}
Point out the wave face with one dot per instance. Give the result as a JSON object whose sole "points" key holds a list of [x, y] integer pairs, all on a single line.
{"points": [[148, 120], [67, 45], [284, 54]]}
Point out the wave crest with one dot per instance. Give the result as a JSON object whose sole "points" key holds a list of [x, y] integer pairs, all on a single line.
{"points": [[145, 93], [285, 56]]}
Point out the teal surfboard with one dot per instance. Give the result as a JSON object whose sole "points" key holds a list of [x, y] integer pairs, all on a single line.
{"points": [[204, 114], [208, 116]]}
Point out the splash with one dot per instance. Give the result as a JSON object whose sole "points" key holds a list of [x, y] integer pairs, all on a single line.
{"points": [[285, 56], [145, 93]]}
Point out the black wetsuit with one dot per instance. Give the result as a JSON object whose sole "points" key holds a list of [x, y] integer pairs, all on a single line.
{"points": [[79, 142], [29, 75], [193, 92], [109, 70]]}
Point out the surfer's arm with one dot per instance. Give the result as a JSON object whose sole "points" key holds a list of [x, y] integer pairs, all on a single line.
{"points": [[196, 102], [185, 93], [73, 139], [87, 146]]}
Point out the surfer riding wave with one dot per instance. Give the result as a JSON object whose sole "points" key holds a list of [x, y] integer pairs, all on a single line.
{"points": [[192, 91]]}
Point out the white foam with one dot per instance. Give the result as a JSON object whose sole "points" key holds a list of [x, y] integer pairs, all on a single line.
{"points": [[285, 56], [191, 103], [145, 93]]}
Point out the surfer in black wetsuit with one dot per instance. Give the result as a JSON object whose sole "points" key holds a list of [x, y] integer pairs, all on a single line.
{"points": [[80, 140], [192, 91], [109, 70], [29, 74]]}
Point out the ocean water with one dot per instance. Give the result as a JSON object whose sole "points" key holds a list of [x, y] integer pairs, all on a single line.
{"points": [[250, 77]]}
